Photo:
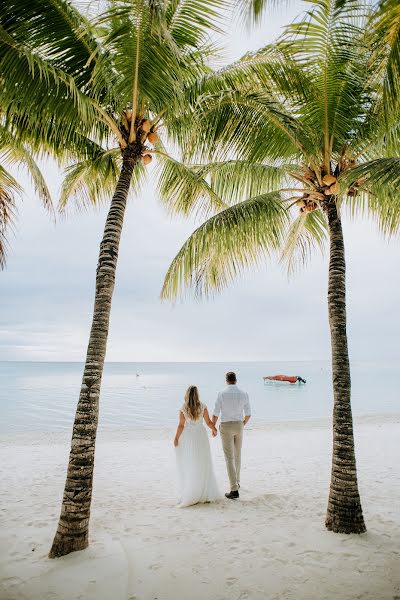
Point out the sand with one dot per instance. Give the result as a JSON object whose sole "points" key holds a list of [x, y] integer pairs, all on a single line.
{"points": [[271, 544]]}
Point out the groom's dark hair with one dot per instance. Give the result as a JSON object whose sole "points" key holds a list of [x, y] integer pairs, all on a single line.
{"points": [[231, 377]]}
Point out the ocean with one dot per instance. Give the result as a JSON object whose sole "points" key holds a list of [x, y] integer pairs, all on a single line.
{"points": [[40, 396]]}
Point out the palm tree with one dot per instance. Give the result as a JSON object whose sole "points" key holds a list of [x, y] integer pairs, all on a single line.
{"points": [[107, 89], [307, 128]]}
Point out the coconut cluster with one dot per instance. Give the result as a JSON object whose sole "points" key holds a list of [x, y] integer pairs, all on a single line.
{"points": [[311, 199], [149, 135], [331, 187], [317, 191], [146, 131], [306, 205]]}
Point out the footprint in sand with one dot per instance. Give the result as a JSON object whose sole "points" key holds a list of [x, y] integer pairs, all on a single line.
{"points": [[231, 581], [155, 567]]}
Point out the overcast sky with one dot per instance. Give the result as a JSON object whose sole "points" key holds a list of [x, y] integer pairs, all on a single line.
{"points": [[47, 290]]}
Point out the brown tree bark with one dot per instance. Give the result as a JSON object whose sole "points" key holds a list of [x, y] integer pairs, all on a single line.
{"points": [[73, 527], [344, 514]]}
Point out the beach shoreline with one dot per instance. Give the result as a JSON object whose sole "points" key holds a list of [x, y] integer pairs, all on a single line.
{"points": [[271, 543], [114, 434]]}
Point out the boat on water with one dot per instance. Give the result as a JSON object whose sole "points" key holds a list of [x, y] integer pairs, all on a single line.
{"points": [[284, 379]]}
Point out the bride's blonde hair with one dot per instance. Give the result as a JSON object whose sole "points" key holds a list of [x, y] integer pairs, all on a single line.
{"points": [[192, 402]]}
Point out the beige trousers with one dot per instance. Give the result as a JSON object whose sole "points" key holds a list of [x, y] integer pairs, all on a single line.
{"points": [[232, 436]]}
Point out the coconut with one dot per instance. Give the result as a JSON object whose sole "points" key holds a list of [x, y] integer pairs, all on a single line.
{"points": [[310, 207], [329, 179], [152, 137], [334, 188], [146, 126], [128, 114], [147, 158]]}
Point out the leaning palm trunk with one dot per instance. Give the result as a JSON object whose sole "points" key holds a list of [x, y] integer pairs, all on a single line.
{"points": [[73, 527], [344, 513]]}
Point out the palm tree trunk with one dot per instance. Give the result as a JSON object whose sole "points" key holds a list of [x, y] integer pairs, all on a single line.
{"points": [[73, 527], [344, 514]]}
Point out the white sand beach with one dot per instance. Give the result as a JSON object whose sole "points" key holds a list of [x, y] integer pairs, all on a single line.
{"points": [[270, 544]]}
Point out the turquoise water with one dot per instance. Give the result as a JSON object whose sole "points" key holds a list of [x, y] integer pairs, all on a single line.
{"points": [[42, 396]]}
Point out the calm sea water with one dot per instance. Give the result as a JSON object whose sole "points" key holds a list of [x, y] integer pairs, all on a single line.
{"points": [[42, 396]]}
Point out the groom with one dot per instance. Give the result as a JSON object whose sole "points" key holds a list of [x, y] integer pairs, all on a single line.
{"points": [[232, 403]]}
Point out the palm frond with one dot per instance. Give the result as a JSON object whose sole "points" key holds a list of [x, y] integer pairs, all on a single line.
{"points": [[189, 22], [329, 43], [92, 181], [236, 180], [14, 152], [169, 37], [36, 91], [55, 30], [377, 183], [8, 188], [236, 109], [305, 234], [226, 244], [385, 23], [252, 10], [381, 171], [185, 191], [239, 124]]}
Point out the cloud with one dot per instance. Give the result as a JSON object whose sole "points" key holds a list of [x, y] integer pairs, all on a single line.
{"points": [[47, 296], [47, 290]]}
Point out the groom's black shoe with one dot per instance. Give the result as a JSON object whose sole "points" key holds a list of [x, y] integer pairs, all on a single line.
{"points": [[232, 495]]}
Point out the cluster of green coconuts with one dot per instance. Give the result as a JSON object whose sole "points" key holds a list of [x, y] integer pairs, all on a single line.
{"points": [[148, 134]]}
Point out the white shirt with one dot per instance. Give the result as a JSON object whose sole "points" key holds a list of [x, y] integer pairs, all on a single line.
{"points": [[232, 402]]}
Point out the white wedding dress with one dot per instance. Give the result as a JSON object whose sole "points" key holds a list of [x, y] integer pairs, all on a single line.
{"points": [[196, 478]]}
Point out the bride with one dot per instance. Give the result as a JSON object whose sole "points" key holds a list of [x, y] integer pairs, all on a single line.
{"points": [[196, 478]]}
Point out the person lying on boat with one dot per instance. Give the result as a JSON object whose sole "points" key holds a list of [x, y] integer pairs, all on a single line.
{"points": [[288, 378]]}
